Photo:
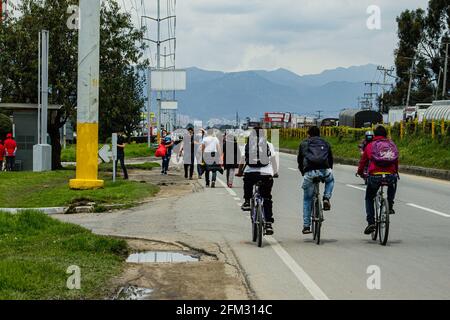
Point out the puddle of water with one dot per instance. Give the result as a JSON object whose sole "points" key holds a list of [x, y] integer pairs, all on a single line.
{"points": [[133, 293], [161, 257]]}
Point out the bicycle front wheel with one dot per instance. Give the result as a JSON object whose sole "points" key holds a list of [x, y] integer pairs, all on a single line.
{"points": [[377, 219], [384, 223]]}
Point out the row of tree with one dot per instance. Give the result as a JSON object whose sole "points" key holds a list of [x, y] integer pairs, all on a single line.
{"points": [[421, 52], [121, 87]]}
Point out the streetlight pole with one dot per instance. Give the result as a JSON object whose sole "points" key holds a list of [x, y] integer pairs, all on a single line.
{"points": [[88, 97], [444, 86]]}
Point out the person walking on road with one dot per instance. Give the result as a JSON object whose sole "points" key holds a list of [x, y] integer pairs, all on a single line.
{"points": [[188, 151], [381, 156], [168, 142], [10, 152], [199, 152], [259, 164], [2, 156], [315, 160], [121, 154], [212, 157], [231, 157]]}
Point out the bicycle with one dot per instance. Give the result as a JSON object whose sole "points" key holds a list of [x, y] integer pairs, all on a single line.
{"points": [[317, 211], [382, 220], [257, 214]]}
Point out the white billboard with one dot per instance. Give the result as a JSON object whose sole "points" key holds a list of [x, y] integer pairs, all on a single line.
{"points": [[169, 105], [168, 80]]}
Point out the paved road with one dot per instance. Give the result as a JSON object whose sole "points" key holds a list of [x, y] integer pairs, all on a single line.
{"points": [[414, 265]]}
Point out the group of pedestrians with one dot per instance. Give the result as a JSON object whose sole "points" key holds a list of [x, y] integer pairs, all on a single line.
{"points": [[8, 150]]}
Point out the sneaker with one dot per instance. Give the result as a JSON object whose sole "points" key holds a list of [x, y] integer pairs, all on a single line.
{"points": [[207, 184], [306, 230], [269, 229], [370, 228], [213, 184], [246, 206], [326, 204], [392, 211]]}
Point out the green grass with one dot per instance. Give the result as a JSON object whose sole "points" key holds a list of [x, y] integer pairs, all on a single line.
{"points": [[414, 151], [107, 167], [50, 189], [132, 150], [35, 252]]}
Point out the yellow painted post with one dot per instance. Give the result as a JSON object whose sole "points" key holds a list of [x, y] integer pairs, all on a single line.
{"points": [[443, 127], [402, 130], [433, 127], [88, 97]]}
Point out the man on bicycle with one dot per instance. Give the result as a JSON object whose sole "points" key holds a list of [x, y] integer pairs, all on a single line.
{"points": [[381, 156], [315, 160], [260, 165]]}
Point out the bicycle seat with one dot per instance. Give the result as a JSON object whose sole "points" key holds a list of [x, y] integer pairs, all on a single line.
{"points": [[318, 180]]}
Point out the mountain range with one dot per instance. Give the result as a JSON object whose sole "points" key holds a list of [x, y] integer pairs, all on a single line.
{"points": [[216, 94]]}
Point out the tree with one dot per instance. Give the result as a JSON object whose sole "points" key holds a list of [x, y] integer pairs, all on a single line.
{"points": [[120, 90], [5, 125], [422, 37]]}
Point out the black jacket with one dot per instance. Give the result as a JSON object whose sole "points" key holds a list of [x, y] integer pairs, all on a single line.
{"points": [[303, 164]]}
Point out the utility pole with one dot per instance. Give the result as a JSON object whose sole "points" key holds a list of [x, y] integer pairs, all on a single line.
{"points": [[44, 41], [410, 82], [444, 86], [149, 103], [3, 7], [88, 97], [385, 74], [438, 82]]}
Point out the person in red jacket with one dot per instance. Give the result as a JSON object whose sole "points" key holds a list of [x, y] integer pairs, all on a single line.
{"points": [[2, 155], [380, 169], [10, 149]]}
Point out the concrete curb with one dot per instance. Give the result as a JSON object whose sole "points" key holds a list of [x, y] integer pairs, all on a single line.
{"points": [[418, 171], [48, 211]]}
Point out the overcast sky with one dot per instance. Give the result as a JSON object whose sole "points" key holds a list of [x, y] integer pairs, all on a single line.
{"points": [[305, 36]]}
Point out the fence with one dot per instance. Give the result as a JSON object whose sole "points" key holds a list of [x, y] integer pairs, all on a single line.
{"points": [[433, 129]]}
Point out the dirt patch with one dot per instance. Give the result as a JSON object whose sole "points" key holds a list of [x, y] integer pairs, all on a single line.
{"points": [[211, 278]]}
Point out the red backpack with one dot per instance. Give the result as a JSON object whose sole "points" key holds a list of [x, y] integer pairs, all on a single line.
{"points": [[161, 151]]}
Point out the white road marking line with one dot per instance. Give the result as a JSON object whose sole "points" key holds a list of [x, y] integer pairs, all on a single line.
{"points": [[237, 199], [429, 210], [355, 187], [293, 169], [298, 271], [230, 191]]}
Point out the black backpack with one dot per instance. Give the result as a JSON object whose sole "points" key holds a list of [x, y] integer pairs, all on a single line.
{"points": [[317, 152], [257, 154]]}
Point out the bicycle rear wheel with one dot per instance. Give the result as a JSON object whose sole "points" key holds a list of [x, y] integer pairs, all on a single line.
{"points": [[254, 222], [384, 223], [317, 221], [259, 223], [377, 219]]}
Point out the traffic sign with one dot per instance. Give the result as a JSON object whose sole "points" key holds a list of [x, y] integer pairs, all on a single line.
{"points": [[105, 153]]}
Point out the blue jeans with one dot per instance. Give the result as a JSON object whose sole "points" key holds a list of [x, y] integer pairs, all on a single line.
{"points": [[308, 191], [166, 161]]}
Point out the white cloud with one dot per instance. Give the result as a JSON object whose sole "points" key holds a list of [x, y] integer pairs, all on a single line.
{"points": [[305, 36]]}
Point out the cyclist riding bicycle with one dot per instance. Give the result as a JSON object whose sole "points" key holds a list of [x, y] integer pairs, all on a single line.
{"points": [[259, 164], [315, 160], [381, 156], [368, 138]]}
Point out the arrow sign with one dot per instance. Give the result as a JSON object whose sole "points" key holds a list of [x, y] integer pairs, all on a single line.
{"points": [[105, 153]]}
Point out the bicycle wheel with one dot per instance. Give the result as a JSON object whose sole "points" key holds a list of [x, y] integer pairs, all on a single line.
{"points": [[377, 219], [259, 223], [254, 224], [317, 221], [384, 223], [313, 219]]}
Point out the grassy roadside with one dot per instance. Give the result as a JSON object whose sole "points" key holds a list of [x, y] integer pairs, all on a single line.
{"points": [[132, 150], [422, 152], [35, 252], [50, 189]]}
